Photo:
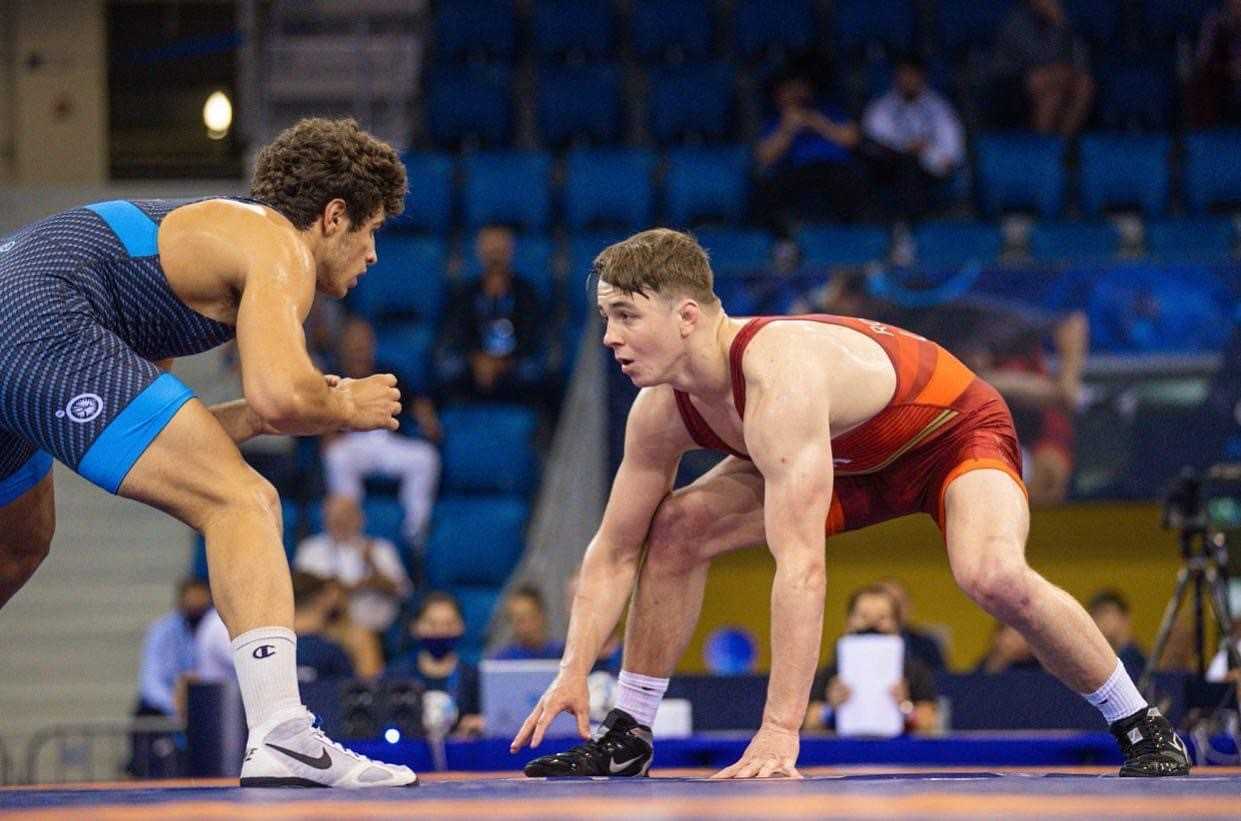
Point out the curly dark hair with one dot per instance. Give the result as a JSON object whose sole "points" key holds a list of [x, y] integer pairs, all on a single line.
{"points": [[318, 160]]}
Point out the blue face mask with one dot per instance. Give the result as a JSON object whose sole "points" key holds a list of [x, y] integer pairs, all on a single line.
{"points": [[439, 646]]}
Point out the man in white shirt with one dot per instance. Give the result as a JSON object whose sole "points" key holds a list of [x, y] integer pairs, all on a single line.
{"points": [[370, 569], [914, 140]]}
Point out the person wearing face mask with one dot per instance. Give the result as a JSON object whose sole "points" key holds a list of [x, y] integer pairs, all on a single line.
{"points": [[912, 140], [874, 610], [432, 660], [168, 650], [167, 654]]}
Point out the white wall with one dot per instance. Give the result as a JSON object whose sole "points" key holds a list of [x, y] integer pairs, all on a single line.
{"points": [[59, 111]]}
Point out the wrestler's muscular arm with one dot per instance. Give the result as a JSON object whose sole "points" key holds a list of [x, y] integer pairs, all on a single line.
{"points": [[654, 441], [253, 258], [787, 435]]}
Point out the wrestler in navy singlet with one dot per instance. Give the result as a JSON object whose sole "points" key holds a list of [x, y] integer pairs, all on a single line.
{"points": [[85, 309]]}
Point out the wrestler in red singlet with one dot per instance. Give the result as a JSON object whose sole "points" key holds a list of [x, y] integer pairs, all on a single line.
{"points": [[941, 422]]}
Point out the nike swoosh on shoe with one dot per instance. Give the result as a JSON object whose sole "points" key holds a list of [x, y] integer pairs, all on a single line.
{"points": [[615, 767], [323, 762]]}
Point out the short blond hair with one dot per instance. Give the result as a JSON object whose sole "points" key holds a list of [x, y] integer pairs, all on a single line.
{"points": [[660, 261]]}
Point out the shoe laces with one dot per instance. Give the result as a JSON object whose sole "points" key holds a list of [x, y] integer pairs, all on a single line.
{"points": [[1157, 736], [316, 732]]}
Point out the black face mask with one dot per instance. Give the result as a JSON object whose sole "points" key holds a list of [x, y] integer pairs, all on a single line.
{"points": [[869, 631], [439, 646], [193, 618], [334, 615]]}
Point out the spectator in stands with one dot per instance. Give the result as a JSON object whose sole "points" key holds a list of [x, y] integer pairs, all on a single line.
{"points": [[873, 609], [913, 141], [527, 618], [349, 458], [492, 337], [167, 656], [1110, 611], [919, 644], [368, 568], [213, 651], [807, 161], [437, 629], [1215, 88], [1040, 57], [1008, 651], [318, 603], [168, 650]]}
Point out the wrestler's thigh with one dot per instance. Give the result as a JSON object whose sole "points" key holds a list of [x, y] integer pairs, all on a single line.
{"points": [[722, 509], [987, 520]]}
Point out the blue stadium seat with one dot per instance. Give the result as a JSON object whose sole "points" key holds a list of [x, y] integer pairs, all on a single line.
{"points": [[1124, 170], [1136, 96], [475, 540], [946, 245], [1212, 169], [406, 349], [579, 102], [737, 253], [583, 248], [1019, 171], [1167, 20], [1190, 238], [473, 29], [856, 24], [660, 29], [384, 519], [512, 187], [1098, 21], [1158, 309], [478, 604], [1077, 242], [833, 245], [693, 100], [609, 187], [406, 283], [705, 184], [532, 260], [764, 27], [474, 102], [573, 28], [964, 25], [428, 205], [489, 448]]}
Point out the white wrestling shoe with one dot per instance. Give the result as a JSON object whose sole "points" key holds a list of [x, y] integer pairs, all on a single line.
{"points": [[293, 752]]}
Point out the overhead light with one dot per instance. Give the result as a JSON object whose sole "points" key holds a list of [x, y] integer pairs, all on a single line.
{"points": [[218, 115]]}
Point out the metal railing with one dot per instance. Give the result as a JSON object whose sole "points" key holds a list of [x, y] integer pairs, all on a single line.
{"points": [[106, 750]]}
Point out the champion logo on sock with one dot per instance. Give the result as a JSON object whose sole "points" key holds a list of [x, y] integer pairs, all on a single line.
{"points": [[264, 651]]}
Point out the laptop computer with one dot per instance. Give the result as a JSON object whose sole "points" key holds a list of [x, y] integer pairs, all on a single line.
{"points": [[509, 690]]}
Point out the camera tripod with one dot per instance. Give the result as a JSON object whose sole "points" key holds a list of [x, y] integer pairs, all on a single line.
{"points": [[1204, 572]]}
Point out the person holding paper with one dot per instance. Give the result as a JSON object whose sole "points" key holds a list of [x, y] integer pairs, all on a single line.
{"points": [[873, 610]]}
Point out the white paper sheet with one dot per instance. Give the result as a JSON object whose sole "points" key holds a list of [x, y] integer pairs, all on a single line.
{"points": [[870, 666]]}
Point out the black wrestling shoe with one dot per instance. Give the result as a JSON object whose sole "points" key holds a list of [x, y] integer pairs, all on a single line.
{"points": [[1151, 747], [621, 747]]}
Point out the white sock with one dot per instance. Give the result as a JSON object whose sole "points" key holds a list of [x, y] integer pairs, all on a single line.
{"points": [[266, 662], [1118, 697], [640, 695]]}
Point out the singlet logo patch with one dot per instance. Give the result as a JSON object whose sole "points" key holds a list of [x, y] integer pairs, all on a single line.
{"points": [[82, 408]]}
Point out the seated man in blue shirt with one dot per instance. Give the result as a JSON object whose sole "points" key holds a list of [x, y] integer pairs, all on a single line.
{"points": [[437, 629], [168, 650], [527, 616], [806, 161], [317, 602], [167, 654]]}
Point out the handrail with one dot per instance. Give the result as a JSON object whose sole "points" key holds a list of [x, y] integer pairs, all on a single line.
{"points": [[89, 731]]}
